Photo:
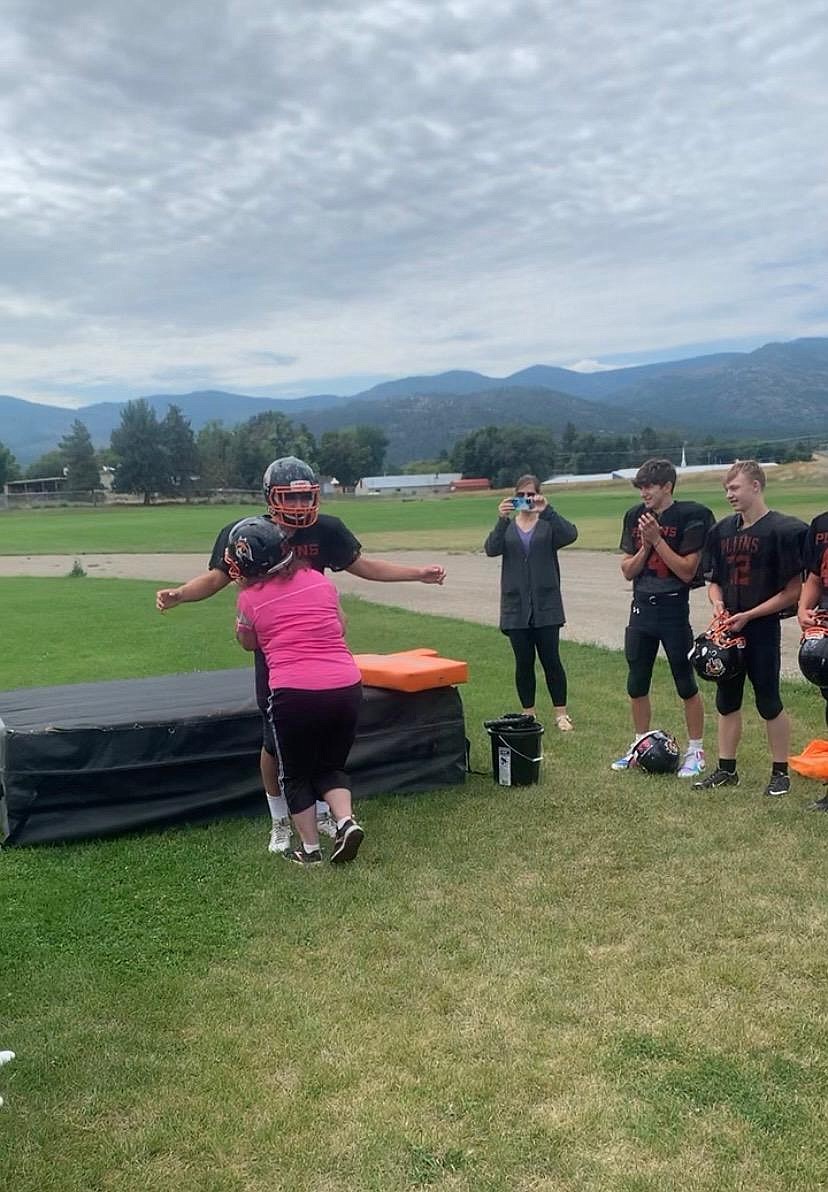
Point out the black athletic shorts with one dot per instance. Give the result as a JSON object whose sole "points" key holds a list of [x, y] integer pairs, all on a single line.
{"points": [[313, 732], [659, 620], [263, 700], [763, 659]]}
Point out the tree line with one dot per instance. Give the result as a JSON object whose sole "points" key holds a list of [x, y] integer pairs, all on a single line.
{"points": [[502, 453], [165, 457]]}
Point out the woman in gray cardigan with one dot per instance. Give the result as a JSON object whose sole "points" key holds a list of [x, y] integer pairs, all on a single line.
{"points": [[531, 610]]}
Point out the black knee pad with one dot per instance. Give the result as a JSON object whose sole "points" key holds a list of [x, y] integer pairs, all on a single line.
{"points": [[728, 701], [686, 686], [768, 706]]}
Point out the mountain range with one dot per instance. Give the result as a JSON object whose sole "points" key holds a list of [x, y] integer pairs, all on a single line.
{"points": [[777, 391]]}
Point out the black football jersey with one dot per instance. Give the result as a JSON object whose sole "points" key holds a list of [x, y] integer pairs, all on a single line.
{"points": [[684, 525], [327, 544], [753, 563], [816, 553]]}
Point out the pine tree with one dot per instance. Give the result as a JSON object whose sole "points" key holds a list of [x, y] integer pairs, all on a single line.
{"points": [[79, 460], [143, 466]]}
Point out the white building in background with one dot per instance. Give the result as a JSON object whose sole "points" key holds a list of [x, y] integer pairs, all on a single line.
{"points": [[629, 473], [425, 485]]}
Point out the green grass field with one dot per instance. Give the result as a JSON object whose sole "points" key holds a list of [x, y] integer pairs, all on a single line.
{"points": [[458, 522], [602, 983]]}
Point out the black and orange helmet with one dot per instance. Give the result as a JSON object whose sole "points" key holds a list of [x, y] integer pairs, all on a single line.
{"points": [[718, 655], [291, 491], [813, 652], [256, 548]]}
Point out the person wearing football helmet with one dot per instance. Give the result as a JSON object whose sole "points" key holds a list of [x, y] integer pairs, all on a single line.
{"points": [[813, 614], [291, 492], [754, 558], [290, 613], [256, 548], [662, 541]]}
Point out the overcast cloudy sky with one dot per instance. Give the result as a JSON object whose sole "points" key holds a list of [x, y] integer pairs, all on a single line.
{"points": [[303, 196]]}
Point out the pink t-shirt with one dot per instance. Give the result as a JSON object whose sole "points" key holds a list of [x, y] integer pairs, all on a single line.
{"points": [[296, 622]]}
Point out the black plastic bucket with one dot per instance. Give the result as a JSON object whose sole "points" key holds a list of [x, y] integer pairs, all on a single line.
{"points": [[516, 749]]}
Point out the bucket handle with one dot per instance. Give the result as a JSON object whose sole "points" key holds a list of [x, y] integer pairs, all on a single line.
{"points": [[517, 752]]}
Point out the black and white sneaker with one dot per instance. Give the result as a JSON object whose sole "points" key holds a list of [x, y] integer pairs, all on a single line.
{"points": [[779, 785], [346, 845], [716, 779], [820, 804], [299, 857]]}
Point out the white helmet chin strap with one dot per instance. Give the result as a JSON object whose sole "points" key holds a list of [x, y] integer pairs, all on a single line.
{"points": [[282, 563]]}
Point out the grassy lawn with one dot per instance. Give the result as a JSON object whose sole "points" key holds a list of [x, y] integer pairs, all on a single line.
{"points": [[458, 522], [603, 982]]}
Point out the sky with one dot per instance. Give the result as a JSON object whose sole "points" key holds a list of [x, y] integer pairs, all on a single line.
{"points": [[309, 197]]}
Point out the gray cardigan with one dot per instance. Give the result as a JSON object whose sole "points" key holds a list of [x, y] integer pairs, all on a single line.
{"points": [[530, 585]]}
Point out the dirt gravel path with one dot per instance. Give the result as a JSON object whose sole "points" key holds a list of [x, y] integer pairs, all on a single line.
{"points": [[596, 597]]}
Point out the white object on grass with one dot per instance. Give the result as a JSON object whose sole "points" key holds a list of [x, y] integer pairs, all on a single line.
{"points": [[5, 1058]]}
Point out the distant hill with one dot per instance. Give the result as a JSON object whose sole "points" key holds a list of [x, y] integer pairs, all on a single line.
{"points": [[779, 390], [421, 427]]}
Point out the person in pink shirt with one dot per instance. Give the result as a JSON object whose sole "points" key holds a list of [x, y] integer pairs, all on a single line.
{"points": [[291, 613]]}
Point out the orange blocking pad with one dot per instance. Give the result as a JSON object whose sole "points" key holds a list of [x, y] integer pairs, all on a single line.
{"points": [[812, 762], [411, 670]]}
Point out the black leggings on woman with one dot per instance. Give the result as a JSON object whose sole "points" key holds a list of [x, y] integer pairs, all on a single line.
{"points": [[546, 641]]}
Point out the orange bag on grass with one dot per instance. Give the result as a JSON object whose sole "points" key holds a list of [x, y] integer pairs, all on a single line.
{"points": [[812, 762]]}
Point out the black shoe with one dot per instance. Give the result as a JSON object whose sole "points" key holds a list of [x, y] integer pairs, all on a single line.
{"points": [[779, 785], [819, 805], [346, 845], [716, 779], [299, 857]]}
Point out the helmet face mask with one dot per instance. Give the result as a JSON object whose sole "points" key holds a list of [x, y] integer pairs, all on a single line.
{"points": [[656, 753], [291, 492], [256, 548]]}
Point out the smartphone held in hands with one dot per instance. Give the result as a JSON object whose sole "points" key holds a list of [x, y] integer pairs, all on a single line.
{"points": [[524, 504]]}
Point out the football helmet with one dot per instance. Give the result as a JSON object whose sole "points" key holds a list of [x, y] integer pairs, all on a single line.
{"points": [[292, 492], [256, 547], [813, 652], [716, 654], [656, 753]]}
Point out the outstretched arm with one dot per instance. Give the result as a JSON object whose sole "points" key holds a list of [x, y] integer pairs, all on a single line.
{"points": [[200, 588], [387, 573]]}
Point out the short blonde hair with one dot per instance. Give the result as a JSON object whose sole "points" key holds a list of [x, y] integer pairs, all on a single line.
{"points": [[749, 468]]}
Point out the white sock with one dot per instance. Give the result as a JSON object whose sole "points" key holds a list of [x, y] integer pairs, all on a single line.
{"points": [[640, 737], [696, 745], [310, 848], [341, 823], [278, 807], [322, 809]]}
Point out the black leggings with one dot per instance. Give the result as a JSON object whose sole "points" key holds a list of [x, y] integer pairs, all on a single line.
{"points": [[525, 642]]}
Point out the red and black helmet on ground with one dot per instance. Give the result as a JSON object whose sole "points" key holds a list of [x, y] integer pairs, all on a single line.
{"points": [[656, 753], [813, 651], [291, 491], [256, 548]]}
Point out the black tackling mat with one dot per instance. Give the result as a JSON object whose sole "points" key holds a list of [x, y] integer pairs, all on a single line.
{"points": [[97, 759]]}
